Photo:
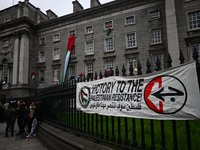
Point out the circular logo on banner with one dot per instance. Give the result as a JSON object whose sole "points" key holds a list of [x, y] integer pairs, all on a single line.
{"points": [[165, 94], [84, 96]]}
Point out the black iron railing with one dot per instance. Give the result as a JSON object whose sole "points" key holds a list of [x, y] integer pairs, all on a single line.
{"points": [[126, 133]]}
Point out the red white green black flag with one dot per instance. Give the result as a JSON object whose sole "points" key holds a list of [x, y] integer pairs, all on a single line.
{"points": [[67, 56], [108, 30], [79, 76], [34, 75]]}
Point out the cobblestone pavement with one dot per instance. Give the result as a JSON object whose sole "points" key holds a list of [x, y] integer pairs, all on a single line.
{"points": [[18, 142]]}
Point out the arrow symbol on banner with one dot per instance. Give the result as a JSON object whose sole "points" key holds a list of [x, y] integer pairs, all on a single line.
{"points": [[160, 95]]}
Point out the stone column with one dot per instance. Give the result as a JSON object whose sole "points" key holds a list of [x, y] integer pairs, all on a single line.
{"points": [[172, 33], [15, 58], [24, 58]]}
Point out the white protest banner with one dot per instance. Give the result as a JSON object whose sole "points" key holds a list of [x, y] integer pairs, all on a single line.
{"points": [[170, 95]]}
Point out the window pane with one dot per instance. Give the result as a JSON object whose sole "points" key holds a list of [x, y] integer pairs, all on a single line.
{"points": [[109, 64], [90, 69], [42, 40], [109, 44], [194, 20], [131, 40], [130, 20], [89, 47], [72, 72], [154, 14], [56, 37], [6, 43], [108, 24], [56, 54], [134, 63], [72, 33], [89, 29], [41, 75], [41, 56], [55, 74], [156, 36]]}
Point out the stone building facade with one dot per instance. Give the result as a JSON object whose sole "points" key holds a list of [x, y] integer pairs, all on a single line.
{"points": [[31, 41]]}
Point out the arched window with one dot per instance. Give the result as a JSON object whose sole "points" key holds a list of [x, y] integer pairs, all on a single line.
{"points": [[5, 69]]}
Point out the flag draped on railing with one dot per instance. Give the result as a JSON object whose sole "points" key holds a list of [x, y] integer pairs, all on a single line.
{"points": [[67, 55]]}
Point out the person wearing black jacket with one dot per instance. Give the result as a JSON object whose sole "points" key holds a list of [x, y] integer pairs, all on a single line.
{"points": [[2, 113], [10, 119], [37, 116], [20, 117]]}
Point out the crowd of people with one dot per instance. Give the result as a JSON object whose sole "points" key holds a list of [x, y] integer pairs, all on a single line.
{"points": [[26, 115]]}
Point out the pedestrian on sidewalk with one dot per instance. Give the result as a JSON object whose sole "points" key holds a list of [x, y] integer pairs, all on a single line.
{"points": [[20, 117], [5, 106], [2, 113], [31, 112], [10, 117], [37, 116]]}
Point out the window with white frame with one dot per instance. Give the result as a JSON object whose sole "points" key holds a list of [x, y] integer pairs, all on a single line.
{"points": [[160, 57], [89, 29], [109, 65], [154, 14], [89, 48], [131, 40], [130, 20], [72, 72], [56, 37], [108, 24], [56, 54], [42, 41], [42, 56], [41, 76], [156, 36], [6, 43], [134, 63], [56, 74], [72, 33], [5, 70], [197, 46], [90, 69], [73, 51], [109, 44], [194, 20]]}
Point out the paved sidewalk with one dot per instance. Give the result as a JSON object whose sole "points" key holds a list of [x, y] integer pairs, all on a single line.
{"points": [[18, 142]]}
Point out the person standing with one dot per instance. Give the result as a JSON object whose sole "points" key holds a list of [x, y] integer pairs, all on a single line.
{"points": [[5, 106], [37, 116], [20, 117], [10, 117], [2, 113], [31, 112]]}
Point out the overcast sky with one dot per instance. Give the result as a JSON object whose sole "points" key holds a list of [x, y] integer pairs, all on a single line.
{"points": [[59, 7]]}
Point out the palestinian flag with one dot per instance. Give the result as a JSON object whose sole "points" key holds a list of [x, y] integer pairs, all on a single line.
{"points": [[79, 76], [83, 96], [34, 75], [67, 55], [108, 30], [107, 74]]}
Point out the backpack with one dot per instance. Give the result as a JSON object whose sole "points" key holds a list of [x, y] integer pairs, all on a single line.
{"points": [[8, 115]]}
